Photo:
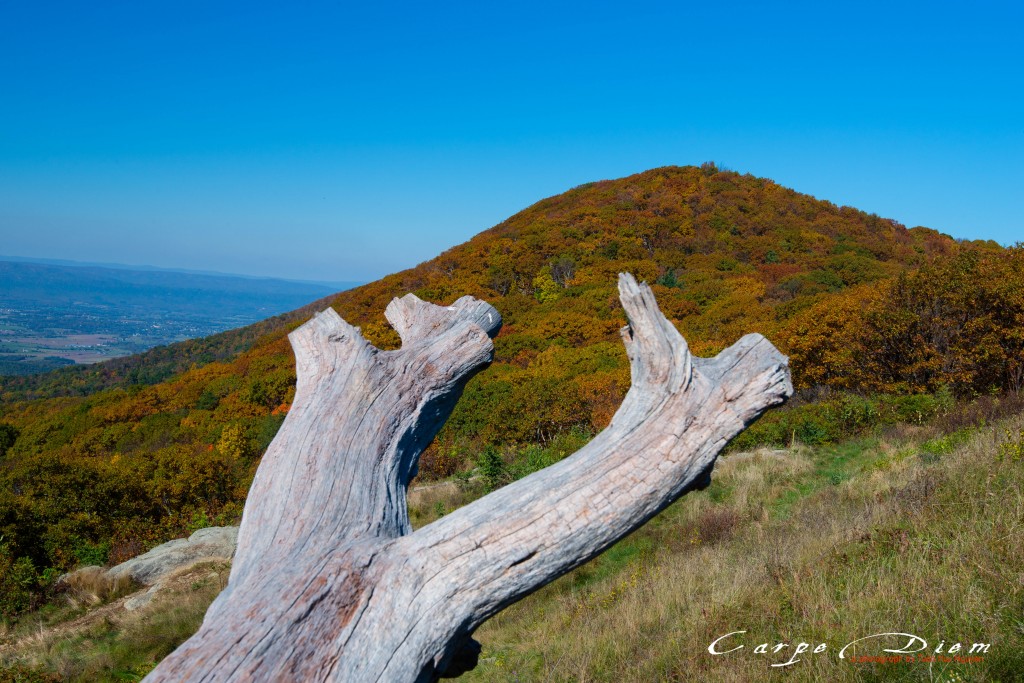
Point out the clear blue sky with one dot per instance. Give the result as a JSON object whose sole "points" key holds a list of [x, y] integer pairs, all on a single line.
{"points": [[341, 141]]}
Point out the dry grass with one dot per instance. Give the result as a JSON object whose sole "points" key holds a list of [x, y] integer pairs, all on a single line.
{"points": [[112, 644], [929, 548], [429, 502], [91, 587]]}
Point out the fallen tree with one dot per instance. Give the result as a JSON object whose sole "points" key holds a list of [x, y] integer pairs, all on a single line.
{"points": [[329, 583]]}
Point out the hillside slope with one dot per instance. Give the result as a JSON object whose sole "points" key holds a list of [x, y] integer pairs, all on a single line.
{"points": [[914, 529], [102, 476]]}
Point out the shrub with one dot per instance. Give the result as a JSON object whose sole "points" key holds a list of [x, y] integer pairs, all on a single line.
{"points": [[717, 524], [19, 584], [852, 413], [92, 553], [840, 417], [1013, 447], [913, 409], [492, 468]]}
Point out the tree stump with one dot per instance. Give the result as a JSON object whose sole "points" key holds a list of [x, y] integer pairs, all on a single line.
{"points": [[329, 583]]}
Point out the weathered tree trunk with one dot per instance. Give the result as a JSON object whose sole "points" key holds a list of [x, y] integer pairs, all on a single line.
{"points": [[330, 584]]}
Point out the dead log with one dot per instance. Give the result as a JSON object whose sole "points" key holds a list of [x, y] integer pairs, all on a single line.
{"points": [[330, 584]]}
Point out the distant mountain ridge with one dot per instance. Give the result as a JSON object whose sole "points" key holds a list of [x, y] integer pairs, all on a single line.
{"points": [[22, 281], [335, 286]]}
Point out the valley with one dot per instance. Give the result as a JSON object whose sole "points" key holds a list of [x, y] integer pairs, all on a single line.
{"points": [[53, 316]]}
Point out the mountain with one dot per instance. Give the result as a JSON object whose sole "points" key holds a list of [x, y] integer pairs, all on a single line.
{"points": [[62, 314], [334, 285], [101, 466]]}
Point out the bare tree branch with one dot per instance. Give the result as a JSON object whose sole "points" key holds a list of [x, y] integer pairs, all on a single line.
{"points": [[330, 585]]}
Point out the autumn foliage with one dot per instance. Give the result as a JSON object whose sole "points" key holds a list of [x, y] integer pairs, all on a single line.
{"points": [[97, 465], [957, 322]]}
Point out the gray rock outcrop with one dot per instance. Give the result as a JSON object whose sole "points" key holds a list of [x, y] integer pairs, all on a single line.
{"points": [[212, 543]]}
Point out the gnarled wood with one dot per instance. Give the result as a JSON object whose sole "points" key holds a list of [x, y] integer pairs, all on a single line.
{"points": [[329, 583]]}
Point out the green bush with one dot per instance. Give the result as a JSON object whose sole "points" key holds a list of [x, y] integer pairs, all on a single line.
{"points": [[92, 553], [852, 413], [19, 584], [531, 459], [811, 431], [492, 468], [841, 416], [1013, 446], [207, 400]]}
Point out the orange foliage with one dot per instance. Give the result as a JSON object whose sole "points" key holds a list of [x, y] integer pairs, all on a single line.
{"points": [[168, 438]]}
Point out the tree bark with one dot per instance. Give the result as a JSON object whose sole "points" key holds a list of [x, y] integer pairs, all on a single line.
{"points": [[330, 584]]}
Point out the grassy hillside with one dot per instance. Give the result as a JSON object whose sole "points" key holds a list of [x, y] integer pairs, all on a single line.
{"points": [[908, 528], [111, 461], [909, 531]]}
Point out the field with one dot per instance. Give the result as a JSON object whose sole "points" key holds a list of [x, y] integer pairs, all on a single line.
{"points": [[78, 348], [40, 338]]}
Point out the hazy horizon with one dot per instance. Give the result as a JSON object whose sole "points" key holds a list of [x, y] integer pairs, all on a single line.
{"points": [[73, 263]]}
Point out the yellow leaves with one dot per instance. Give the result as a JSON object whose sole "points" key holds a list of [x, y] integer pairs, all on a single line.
{"points": [[673, 302], [814, 241], [381, 334], [545, 288], [955, 322], [823, 341], [233, 442], [131, 408], [602, 394], [737, 310], [576, 329]]}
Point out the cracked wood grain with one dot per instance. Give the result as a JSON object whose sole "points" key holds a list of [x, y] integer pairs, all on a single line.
{"points": [[329, 583]]}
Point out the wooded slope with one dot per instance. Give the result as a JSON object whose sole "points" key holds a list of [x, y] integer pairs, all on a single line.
{"points": [[140, 450]]}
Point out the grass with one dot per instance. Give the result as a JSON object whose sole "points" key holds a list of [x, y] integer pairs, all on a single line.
{"points": [[921, 533], [112, 644], [908, 530]]}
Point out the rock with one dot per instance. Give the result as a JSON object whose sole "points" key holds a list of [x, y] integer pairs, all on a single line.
{"points": [[141, 599], [212, 543]]}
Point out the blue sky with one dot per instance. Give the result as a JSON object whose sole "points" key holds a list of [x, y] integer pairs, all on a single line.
{"points": [[343, 141]]}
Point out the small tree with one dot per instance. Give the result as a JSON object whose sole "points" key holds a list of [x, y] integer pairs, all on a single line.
{"points": [[492, 468]]}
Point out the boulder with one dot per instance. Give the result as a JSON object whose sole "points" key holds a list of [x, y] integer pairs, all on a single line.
{"points": [[212, 543]]}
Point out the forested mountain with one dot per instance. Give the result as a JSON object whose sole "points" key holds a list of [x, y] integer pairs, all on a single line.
{"points": [[105, 464]]}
